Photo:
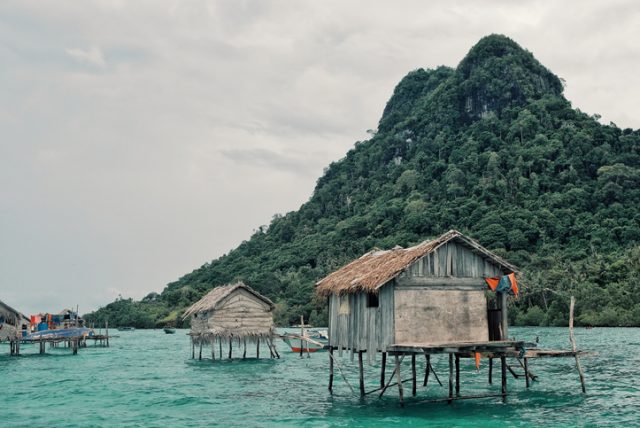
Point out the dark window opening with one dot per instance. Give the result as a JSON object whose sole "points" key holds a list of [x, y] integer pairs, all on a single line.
{"points": [[372, 300]]}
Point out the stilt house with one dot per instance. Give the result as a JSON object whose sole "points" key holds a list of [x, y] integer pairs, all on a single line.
{"points": [[432, 293], [11, 322], [232, 313]]}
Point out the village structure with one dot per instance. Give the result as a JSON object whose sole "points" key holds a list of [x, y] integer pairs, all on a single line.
{"points": [[426, 300], [232, 315]]}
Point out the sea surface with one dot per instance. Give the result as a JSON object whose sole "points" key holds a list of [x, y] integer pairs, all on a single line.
{"points": [[147, 378]]}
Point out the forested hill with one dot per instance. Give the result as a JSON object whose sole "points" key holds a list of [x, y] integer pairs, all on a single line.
{"points": [[491, 148]]}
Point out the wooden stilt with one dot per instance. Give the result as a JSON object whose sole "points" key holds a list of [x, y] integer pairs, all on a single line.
{"points": [[400, 391], [220, 346], [572, 339], [106, 331], [361, 370], [75, 347], [244, 349], [230, 346], [526, 371], [503, 369], [213, 349], [200, 351], [383, 367], [42, 345], [490, 370], [457, 375], [331, 369], [413, 375], [426, 372], [258, 349], [450, 378], [193, 349]]}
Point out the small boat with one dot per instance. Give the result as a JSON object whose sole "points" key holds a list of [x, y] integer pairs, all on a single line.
{"points": [[308, 340], [169, 330], [126, 328]]}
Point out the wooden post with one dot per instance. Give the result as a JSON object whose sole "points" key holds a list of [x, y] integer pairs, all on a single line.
{"points": [[490, 370], [413, 375], [220, 346], [42, 345], [75, 346], [572, 339], [106, 331], [526, 371], [361, 369], [399, 377], [457, 375], [426, 373], [230, 346], [383, 368], [503, 364], [213, 349], [258, 348], [450, 378], [244, 349], [193, 349], [505, 319], [200, 352], [331, 369]]}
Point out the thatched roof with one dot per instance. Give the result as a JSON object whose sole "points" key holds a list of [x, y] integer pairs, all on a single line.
{"points": [[7, 311], [212, 299], [376, 268]]}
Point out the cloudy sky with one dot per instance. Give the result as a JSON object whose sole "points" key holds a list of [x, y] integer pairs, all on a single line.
{"points": [[140, 139]]}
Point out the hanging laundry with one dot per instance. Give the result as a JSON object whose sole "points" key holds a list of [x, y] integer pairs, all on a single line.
{"points": [[506, 283]]}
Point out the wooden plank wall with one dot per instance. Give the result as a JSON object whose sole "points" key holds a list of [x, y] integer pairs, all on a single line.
{"points": [[453, 259], [362, 328]]}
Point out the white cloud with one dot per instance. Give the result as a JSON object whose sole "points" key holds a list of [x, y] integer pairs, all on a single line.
{"points": [[92, 56]]}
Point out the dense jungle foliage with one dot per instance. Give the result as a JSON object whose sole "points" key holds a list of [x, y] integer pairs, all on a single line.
{"points": [[491, 148]]}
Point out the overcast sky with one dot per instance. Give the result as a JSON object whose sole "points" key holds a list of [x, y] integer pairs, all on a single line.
{"points": [[141, 139]]}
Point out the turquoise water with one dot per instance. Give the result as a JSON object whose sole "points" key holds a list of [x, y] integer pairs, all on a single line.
{"points": [[146, 378]]}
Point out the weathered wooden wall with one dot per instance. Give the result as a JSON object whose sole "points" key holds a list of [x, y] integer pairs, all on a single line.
{"points": [[240, 313], [440, 298], [354, 326]]}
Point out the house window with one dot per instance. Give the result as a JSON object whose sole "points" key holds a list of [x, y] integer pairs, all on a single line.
{"points": [[344, 305], [372, 300]]}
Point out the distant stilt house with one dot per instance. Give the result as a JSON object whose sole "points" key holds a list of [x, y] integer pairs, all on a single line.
{"points": [[423, 300], [12, 324], [231, 316]]}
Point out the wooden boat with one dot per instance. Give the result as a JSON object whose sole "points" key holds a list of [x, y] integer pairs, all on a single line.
{"points": [[126, 328], [169, 330], [308, 340]]}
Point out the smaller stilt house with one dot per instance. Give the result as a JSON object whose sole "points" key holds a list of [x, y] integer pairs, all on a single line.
{"points": [[12, 324], [232, 316]]}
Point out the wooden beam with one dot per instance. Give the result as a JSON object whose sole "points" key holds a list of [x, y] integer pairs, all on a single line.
{"points": [[448, 283]]}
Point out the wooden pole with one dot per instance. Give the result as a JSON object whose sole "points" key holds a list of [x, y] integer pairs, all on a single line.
{"points": [[258, 349], [193, 349], [400, 391], [220, 346], [230, 346], [42, 345], [490, 370], [526, 371], [75, 346], [572, 339], [331, 369], [503, 369], [426, 373], [361, 369], [341, 372], [505, 318], [457, 375], [413, 375], [244, 350], [106, 331], [213, 349], [383, 368], [450, 378]]}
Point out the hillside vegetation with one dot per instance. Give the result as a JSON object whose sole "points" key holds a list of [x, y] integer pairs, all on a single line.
{"points": [[491, 148]]}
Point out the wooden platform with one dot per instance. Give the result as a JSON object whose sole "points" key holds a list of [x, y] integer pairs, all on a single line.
{"points": [[496, 346]]}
